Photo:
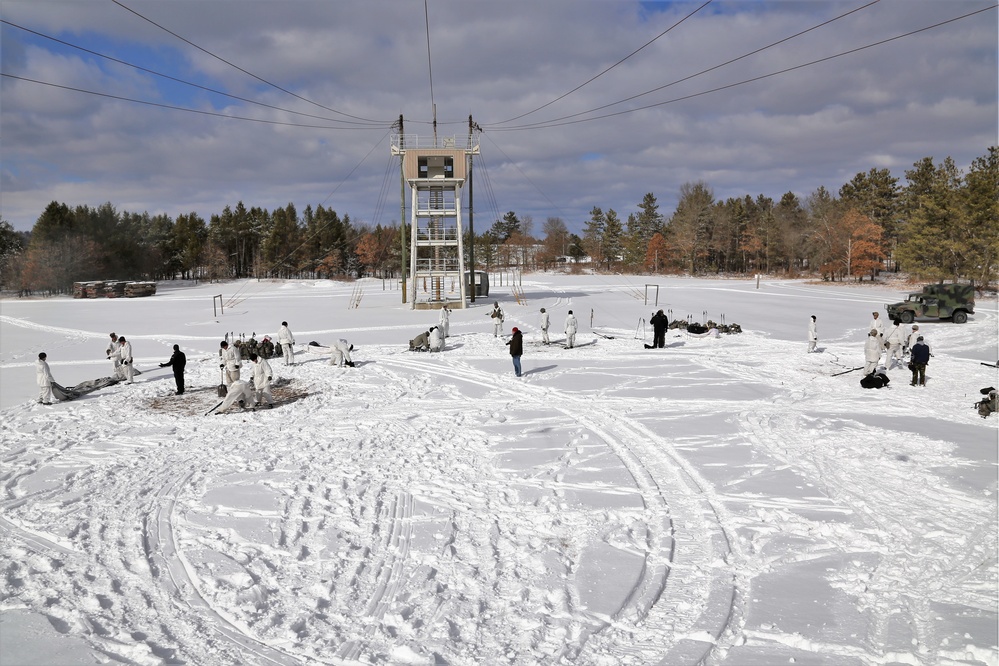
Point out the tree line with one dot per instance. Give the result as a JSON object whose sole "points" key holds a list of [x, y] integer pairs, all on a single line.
{"points": [[940, 224], [67, 245]]}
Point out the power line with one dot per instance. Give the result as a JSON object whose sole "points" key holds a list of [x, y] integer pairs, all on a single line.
{"points": [[376, 216], [430, 68], [526, 177], [488, 187], [315, 233], [356, 167], [544, 125], [710, 69], [251, 74], [177, 80], [173, 107], [597, 76]]}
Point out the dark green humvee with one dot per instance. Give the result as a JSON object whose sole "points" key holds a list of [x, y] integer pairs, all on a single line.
{"points": [[941, 301]]}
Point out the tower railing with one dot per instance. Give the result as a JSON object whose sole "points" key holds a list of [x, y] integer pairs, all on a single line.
{"points": [[437, 265], [437, 234], [413, 141]]}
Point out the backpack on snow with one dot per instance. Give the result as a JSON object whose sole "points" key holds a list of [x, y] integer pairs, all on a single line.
{"points": [[874, 380]]}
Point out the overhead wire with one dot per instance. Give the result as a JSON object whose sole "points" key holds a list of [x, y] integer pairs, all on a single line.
{"points": [[174, 107], [430, 66], [709, 69], [182, 81], [289, 254], [487, 185], [390, 163], [357, 166], [526, 177], [248, 73], [597, 76], [545, 125]]}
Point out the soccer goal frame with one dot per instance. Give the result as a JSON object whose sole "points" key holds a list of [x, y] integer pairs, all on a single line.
{"points": [[656, 286]]}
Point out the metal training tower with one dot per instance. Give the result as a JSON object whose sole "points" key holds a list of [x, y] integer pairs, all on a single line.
{"points": [[436, 171]]}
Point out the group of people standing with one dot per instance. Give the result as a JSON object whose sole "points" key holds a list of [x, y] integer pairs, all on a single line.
{"points": [[434, 338], [238, 391], [516, 341], [570, 329], [119, 352], [894, 342]]}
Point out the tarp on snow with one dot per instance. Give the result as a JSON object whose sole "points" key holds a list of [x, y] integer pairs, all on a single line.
{"points": [[83, 388]]}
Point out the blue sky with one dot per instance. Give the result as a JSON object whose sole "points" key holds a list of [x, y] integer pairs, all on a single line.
{"points": [[932, 93]]}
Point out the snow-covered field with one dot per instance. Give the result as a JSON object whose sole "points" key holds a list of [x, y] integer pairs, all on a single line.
{"points": [[720, 501]]}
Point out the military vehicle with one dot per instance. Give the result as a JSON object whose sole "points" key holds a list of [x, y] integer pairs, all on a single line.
{"points": [[941, 301]]}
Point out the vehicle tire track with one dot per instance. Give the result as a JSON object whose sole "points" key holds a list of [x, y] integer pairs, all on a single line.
{"points": [[687, 547]]}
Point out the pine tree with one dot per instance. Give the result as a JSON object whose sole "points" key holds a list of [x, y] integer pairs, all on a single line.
{"points": [[189, 237], [980, 197], [613, 239], [690, 227], [641, 228], [53, 224], [792, 225], [506, 227], [281, 244], [934, 239], [593, 235]]}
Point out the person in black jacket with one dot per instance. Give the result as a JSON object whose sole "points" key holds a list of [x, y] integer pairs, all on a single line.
{"points": [[178, 360], [659, 323], [516, 344], [919, 356]]}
